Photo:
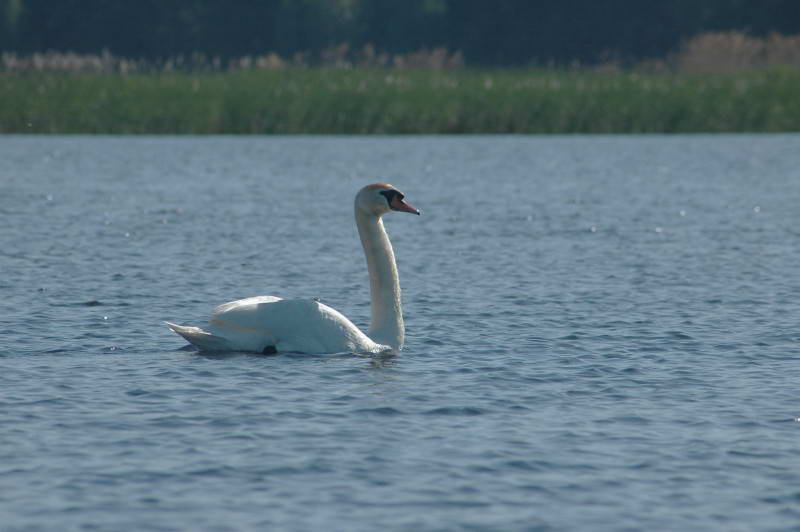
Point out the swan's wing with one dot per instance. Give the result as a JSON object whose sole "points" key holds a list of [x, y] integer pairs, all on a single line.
{"points": [[202, 339], [300, 325]]}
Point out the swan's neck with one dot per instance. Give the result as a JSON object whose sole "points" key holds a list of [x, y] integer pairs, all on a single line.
{"points": [[387, 314]]}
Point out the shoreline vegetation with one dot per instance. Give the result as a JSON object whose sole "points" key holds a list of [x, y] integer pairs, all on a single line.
{"points": [[719, 82]]}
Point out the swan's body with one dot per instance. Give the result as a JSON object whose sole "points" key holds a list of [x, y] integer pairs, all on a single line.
{"points": [[272, 324], [267, 324]]}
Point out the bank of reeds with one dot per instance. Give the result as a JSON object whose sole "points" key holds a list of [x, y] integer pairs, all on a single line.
{"points": [[736, 52], [341, 56], [426, 93]]}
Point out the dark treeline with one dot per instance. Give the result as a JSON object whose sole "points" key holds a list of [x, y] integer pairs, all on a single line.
{"points": [[487, 32]]}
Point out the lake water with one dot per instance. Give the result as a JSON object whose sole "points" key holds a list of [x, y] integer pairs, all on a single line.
{"points": [[603, 333]]}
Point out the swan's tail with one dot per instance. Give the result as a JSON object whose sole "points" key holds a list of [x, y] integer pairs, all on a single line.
{"points": [[205, 341]]}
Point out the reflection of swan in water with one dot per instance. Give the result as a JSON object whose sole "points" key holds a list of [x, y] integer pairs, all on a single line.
{"points": [[267, 324]]}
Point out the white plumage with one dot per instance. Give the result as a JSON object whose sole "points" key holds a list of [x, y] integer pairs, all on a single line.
{"points": [[271, 324]]}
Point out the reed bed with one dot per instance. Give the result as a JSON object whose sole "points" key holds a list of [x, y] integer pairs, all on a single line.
{"points": [[364, 92], [341, 56], [730, 52], [323, 101], [713, 52]]}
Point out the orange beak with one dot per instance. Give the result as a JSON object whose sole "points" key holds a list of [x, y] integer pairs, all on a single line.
{"points": [[399, 205]]}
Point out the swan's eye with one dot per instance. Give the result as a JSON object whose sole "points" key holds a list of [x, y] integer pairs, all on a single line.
{"points": [[390, 195]]}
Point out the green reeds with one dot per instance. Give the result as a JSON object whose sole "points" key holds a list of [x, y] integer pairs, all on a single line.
{"points": [[376, 100]]}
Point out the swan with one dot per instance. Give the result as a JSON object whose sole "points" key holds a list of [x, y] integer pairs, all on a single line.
{"points": [[269, 325]]}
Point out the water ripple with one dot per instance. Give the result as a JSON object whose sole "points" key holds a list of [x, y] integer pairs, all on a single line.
{"points": [[567, 366]]}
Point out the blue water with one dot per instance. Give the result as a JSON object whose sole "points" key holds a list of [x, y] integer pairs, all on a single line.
{"points": [[603, 333]]}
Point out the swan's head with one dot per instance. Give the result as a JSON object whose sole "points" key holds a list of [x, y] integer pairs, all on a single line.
{"points": [[379, 199]]}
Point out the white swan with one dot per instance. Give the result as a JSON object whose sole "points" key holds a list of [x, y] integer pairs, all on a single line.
{"points": [[267, 324]]}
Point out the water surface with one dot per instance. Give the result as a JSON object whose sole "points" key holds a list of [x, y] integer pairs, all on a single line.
{"points": [[602, 333]]}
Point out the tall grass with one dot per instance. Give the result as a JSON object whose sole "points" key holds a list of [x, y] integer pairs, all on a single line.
{"points": [[341, 56], [728, 52], [380, 101], [714, 52], [429, 92]]}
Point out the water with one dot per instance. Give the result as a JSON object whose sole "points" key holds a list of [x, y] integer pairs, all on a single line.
{"points": [[602, 334]]}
